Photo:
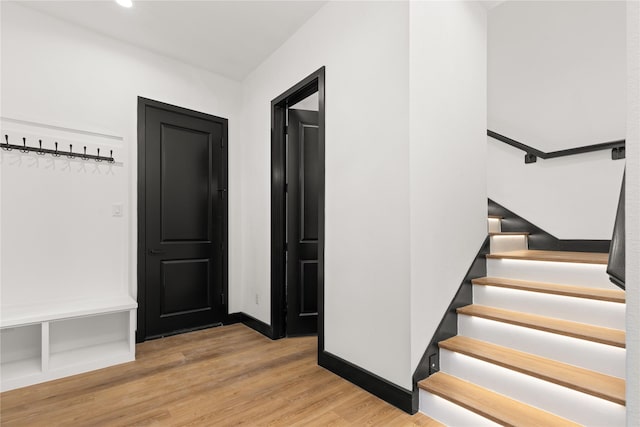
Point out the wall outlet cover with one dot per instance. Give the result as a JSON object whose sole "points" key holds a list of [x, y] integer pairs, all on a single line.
{"points": [[116, 209]]}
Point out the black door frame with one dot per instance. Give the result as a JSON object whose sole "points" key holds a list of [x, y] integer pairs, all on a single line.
{"points": [[315, 82], [142, 271]]}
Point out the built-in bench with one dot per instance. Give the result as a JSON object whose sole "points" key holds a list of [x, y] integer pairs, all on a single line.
{"points": [[46, 341]]}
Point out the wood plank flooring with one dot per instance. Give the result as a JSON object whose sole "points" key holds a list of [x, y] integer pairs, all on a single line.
{"points": [[224, 376]]}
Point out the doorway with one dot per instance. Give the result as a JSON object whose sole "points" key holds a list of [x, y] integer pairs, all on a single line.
{"points": [[297, 209], [182, 220]]}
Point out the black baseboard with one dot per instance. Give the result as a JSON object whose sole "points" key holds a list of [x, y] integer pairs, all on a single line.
{"points": [[385, 390], [389, 392], [251, 322], [233, 318], [448, 327], [542, 240]]}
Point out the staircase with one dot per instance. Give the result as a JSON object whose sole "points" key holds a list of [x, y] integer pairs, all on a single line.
{"points": [[543, 343]]}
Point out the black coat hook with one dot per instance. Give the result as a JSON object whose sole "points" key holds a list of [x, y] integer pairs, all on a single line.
{"points": [[55, 153]]}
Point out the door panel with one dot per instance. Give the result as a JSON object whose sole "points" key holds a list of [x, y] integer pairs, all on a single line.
{"points": [[184, 221], [302, 222], [186, 184], [309, 288], [309, 170], [185, 286]]}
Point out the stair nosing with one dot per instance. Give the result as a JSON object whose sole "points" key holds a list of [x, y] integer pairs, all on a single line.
{"points": [[545, 324], [558, 256], [599, 294], [535, 417], [509, 233], [522, 362]]}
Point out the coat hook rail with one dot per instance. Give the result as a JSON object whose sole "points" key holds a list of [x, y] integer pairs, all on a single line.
{"points": [[24, 148]]}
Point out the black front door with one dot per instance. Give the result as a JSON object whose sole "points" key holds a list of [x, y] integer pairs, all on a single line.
{"points": [[185, 214], [303, 175]]}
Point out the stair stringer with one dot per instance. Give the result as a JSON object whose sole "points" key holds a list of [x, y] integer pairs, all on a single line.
{"points": [[541, 239], [448, 326]]}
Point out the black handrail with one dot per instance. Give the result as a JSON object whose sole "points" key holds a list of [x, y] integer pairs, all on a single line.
{"points": [[616, 265], [617, 148]]}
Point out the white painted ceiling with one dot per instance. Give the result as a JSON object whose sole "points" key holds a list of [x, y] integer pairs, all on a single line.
{"points": [[230, 38]]}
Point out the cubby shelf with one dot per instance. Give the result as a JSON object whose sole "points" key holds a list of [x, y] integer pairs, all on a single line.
{"points": [[21, 369], [43, 342], [92, 354]]}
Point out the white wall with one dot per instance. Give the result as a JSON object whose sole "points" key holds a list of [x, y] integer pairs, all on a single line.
{"points": [[310, 103], [59, 74], [364, 46], [54, 210], [572, 197], [447, 156], [556, 80], [557, 72], [633, 214]]}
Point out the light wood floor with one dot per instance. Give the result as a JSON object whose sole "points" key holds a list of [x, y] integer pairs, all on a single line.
{"points": [[223, 376]]}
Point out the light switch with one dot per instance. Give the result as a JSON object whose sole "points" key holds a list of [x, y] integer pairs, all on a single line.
{"points": [[116, 209]]}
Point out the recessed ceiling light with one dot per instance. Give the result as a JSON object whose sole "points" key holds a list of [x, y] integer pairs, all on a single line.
{"points": [[125, 3]]}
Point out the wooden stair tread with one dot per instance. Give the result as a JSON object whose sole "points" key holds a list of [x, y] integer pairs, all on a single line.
{"points": [[491, 405], [557, 256], [495, 217], [576, 378], [509, 233], [599, 334], [601, 294]]}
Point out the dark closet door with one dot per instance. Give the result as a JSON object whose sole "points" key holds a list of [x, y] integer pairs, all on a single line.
{"points": [[302, 222], [184, 184]]}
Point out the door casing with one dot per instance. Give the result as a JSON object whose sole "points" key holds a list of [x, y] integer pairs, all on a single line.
{"points": [[141, 201], [315, 82]]}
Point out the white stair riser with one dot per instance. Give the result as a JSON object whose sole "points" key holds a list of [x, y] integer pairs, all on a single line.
{"points": [[593, 312], [494, 225], [602, 358], [567, 273], [562, 401], [508, 243], [449, 413]]}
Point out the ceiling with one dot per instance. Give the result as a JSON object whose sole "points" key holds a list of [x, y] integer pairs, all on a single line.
{"points": [[230, 38]]}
